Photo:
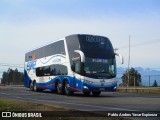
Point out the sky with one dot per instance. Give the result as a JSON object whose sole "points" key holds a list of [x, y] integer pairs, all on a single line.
{"points": [[27, 24]]}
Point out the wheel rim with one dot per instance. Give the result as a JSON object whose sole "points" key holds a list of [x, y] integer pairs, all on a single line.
{"points": [[67, 88], [58, 88], [35, 87], [31, 87]]}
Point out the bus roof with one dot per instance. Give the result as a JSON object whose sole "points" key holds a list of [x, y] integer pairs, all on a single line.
{"points": [[59, 40]]}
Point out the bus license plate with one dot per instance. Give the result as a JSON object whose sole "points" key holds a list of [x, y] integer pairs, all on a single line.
{"points": [[102, 89]]}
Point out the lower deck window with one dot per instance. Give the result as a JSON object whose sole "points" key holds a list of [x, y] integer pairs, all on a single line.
{"points": [[51, 70]]}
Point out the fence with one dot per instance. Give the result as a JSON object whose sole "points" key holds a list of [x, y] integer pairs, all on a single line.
{"points": [[140, 90], [146, 86]]}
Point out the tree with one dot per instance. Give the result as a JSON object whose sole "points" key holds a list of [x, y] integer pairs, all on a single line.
{"points": [[16, 77], [155, 84], [134, 77], [4, 79], [12, 77]]}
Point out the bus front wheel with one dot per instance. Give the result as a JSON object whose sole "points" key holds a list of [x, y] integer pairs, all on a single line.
{"points": [[31, 85], [86, 93], [96, 93]]}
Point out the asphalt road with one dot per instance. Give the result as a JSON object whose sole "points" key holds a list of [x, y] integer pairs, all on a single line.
{"points": [[107, 101]]}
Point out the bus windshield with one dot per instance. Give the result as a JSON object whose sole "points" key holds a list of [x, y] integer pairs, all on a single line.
{"points": [[96, 47], [99, 57], [100, 68]]}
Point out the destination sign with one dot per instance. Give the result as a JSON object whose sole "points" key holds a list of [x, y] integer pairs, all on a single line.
{"points": [[95, 39]]}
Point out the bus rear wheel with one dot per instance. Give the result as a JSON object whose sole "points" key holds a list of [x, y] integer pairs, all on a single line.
{"points": [[35, 87], [59, 87], [67, 89], [31, 85], [96, 93]]}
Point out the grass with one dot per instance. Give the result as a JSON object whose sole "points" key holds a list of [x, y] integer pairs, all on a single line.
{"points": [[8, 104]]}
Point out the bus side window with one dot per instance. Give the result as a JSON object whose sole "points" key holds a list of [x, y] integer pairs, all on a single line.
{"points": [[39, 71]]}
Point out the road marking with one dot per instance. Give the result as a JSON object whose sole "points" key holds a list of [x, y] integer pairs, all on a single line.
{"points": [[5, 94], [95, 106]]}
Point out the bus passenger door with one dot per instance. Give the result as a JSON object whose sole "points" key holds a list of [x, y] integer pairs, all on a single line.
{"points": [[78, 73]]}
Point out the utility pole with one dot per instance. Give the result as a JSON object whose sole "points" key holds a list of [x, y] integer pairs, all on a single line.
{"points": [[134, 81], [149, 81], [149, 84], [129, 61]]}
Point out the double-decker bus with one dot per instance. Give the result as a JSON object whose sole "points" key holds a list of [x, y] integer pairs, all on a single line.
{"points": [[77, 63]]}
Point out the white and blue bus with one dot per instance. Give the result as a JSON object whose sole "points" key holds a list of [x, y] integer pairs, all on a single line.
{"points": [[77, 63]]}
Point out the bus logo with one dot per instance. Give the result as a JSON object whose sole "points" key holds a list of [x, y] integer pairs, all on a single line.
{"points": [[102, 81], [102, 84], [31, 65]]}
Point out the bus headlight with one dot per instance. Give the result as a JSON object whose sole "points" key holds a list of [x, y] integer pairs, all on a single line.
{"points": [[86, 81], [85, 87]]}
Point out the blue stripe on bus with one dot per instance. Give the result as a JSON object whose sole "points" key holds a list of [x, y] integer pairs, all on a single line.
{"points": [[72, 82], [52, 57]]}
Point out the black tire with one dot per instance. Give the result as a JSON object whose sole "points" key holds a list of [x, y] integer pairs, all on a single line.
{"points": [[53, 91], [67, 89], [96, 93], [31, 85], [59, 87], [35, 87], [86, 93]]}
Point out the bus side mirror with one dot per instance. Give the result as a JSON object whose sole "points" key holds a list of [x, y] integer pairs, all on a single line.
{"points": [[81, 54], [121, 57]]}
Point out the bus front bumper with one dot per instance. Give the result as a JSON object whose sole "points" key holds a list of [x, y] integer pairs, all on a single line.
{"points": [[92, 87]]}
